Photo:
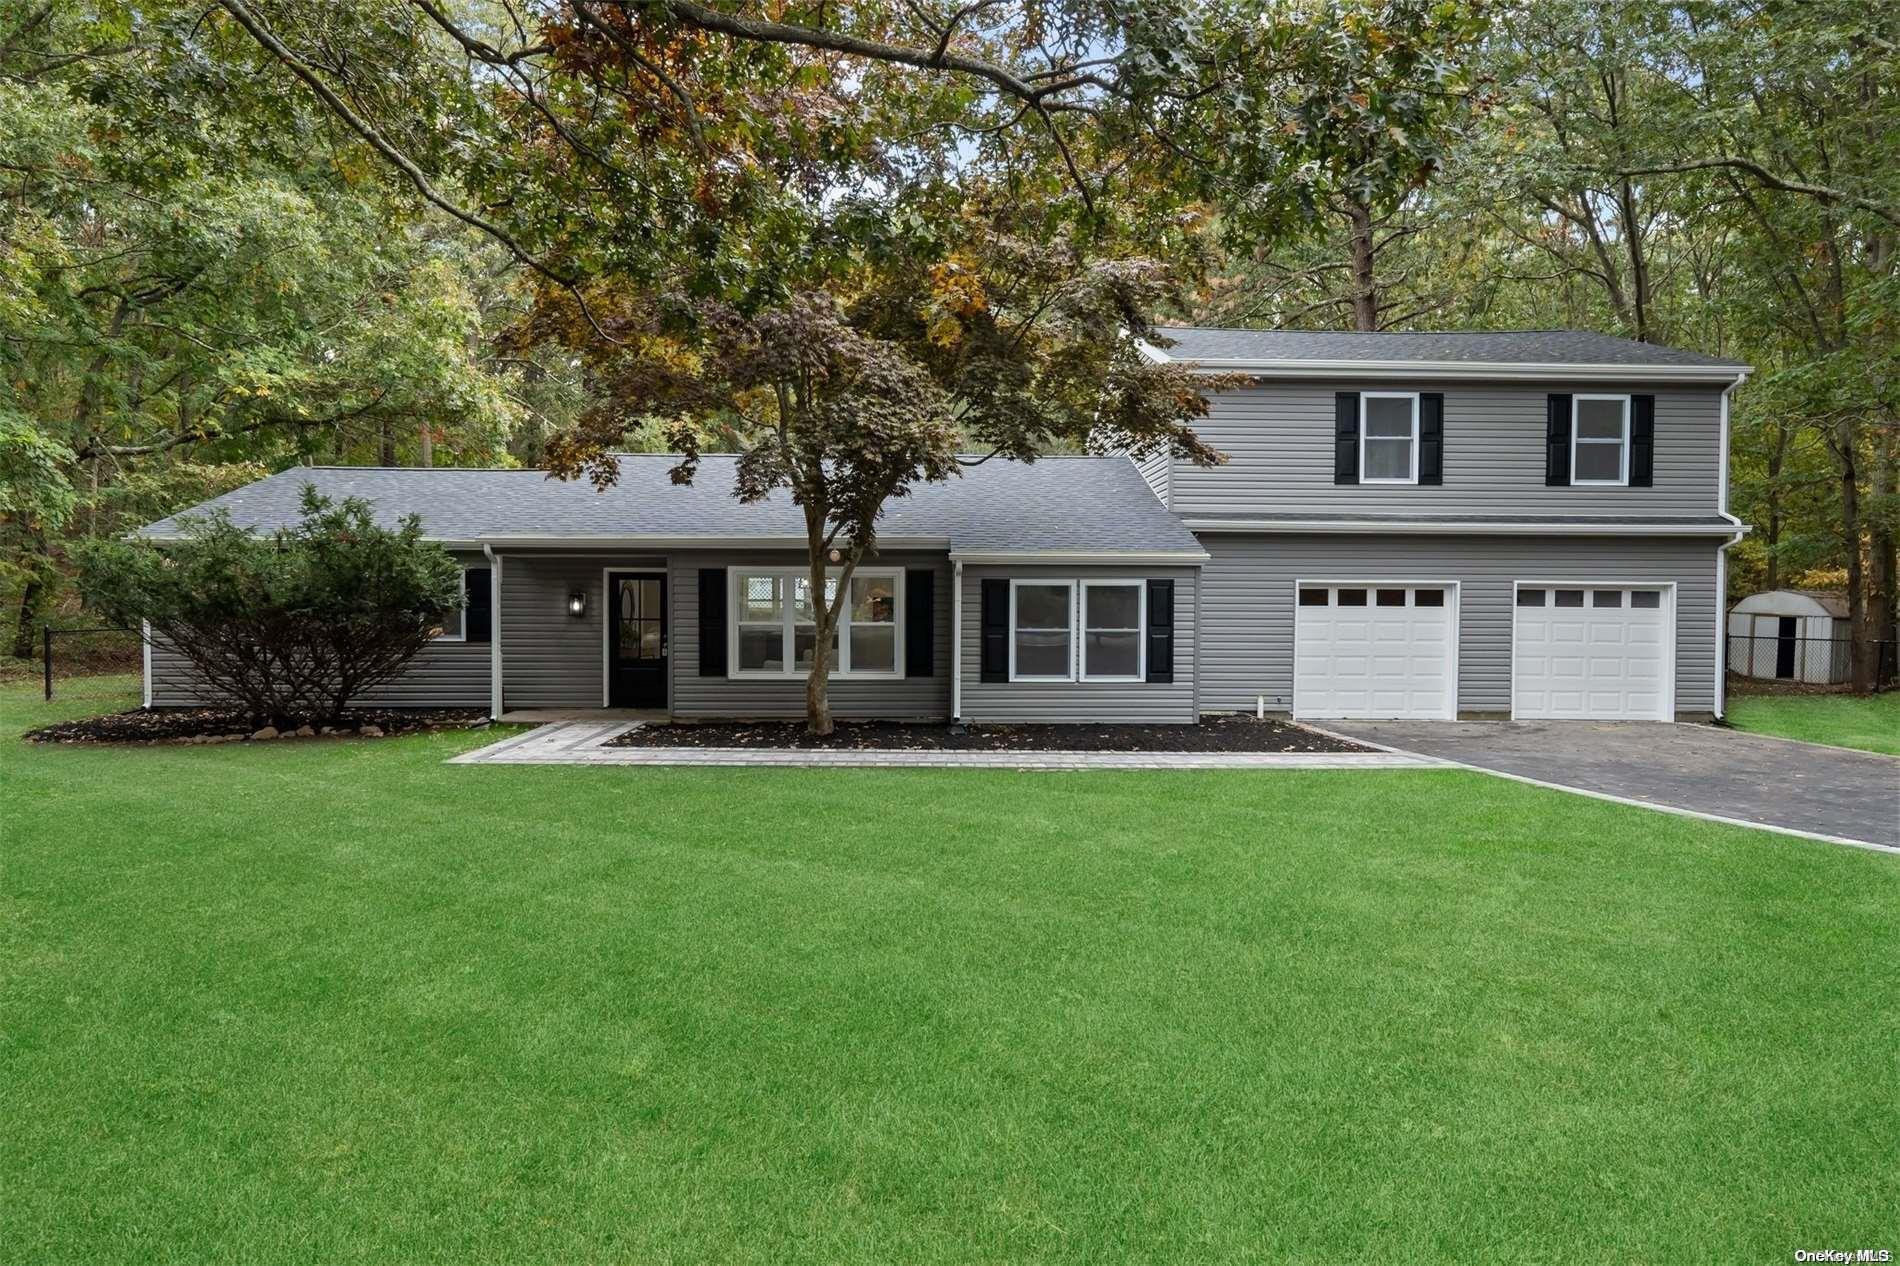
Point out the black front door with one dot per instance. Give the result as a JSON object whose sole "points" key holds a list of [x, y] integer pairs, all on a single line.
{"points": [[636, 641], [1784, 648]]}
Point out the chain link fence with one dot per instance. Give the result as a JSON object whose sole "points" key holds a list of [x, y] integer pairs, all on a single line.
{"points": [[1819, 663], [89, 662]]}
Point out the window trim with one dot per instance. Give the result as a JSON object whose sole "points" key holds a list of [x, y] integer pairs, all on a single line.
{"points": [[1623, 453], [789, 622], [1065, 582], [461, 632], [1364, 435], [1140, 630]]}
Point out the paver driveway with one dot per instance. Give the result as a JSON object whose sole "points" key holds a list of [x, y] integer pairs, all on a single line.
{"points": [[1704, 769]]}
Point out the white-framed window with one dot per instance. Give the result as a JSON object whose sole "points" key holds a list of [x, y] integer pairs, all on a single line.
{"points": [[1114, 617], [1042, 630], [1600, 440], [774, 625], [455, 623], [1388, 437]]}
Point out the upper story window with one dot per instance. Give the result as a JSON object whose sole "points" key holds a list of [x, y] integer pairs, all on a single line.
{"points": [[1599, 440], [775, 625], [1388, 437]]}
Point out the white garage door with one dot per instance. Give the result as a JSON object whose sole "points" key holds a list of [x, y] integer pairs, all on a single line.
{"points": [[1593, 653], [1373, 651]]}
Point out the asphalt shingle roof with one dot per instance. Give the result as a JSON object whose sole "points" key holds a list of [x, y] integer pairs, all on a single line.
{"points": [[1497, 347], [1057, 504]]}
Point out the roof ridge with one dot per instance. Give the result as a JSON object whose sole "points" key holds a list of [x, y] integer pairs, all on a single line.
{"points": [[537, 470]]}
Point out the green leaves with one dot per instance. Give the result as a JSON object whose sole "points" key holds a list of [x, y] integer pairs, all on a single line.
{"points": [[291, 625]]}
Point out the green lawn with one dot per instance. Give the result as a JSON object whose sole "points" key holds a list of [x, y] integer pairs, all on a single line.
{"points": [[1869, 722], [330, 1002]]}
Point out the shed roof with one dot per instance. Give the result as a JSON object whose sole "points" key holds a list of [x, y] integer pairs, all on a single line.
{"points": [[1798, 602], [1056, 505]]}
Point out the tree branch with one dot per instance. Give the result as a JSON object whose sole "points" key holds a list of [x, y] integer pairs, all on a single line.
{"points": [[766, 31], [1769, 178], [298, 67]]}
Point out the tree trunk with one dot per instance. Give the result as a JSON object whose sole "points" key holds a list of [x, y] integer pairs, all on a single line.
{"points": [[1859, 661], [818, 684], [1639, 262], [1365, 292], [1777, 458], [32, 596], [425, 455], [387, 454], [1884, 548]]}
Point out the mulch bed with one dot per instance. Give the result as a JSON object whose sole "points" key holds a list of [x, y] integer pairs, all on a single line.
{"points": [[221, 725], [1216, 734]]}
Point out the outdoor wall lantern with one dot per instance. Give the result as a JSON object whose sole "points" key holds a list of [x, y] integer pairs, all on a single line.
{"points": [[577, 603]]}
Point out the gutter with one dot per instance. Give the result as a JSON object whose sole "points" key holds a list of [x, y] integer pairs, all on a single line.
{"points": [[1399, 527], [1161, 558], [1453, 370]]}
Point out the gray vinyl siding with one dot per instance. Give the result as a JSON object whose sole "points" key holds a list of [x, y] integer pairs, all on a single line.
{"points": [[443, 675], [1154, 469], [1248, 603], [703, 698], [1279, 443], [550, 659], [1079, 702]]}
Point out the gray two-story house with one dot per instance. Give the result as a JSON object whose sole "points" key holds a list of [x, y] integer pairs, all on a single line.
{"points": [[1521, 524]]}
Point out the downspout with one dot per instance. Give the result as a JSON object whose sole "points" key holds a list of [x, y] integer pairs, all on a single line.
{"points": [[1721, 565], [1200, 584], [494, 631], [956, 642]]}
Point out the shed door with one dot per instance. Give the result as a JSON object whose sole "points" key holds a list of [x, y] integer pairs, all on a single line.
{"points": [[1373, 652], [1593, 653]]}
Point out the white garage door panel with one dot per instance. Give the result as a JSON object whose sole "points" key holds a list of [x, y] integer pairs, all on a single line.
{"points": [[1608, 659], [1373, 661]]}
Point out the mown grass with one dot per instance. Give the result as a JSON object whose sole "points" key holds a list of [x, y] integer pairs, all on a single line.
{"points": [[338, 1001], [1868, 722]]}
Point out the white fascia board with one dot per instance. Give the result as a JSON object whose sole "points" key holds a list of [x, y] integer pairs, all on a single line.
{"points": [[885, 544], [991, 557], [1451, 370], [1465, 529]]}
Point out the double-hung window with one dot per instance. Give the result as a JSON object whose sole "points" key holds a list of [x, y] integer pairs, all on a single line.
{"points": [[1388, 437], [1112, 612], [1600, 440], [775, 624], [1069, 630], [471, 619], [1042, 630]]}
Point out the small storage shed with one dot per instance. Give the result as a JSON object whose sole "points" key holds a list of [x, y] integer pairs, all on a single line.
{"points": [[1789, 635]]}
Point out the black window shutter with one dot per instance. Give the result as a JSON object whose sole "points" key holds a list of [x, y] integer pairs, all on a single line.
{"points": [[995, 623], [478, 621], [712, 622], [1161, 630], [1346, 437], [920, 622], [1642, 441], [1557, 441], [1431, 437]]}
